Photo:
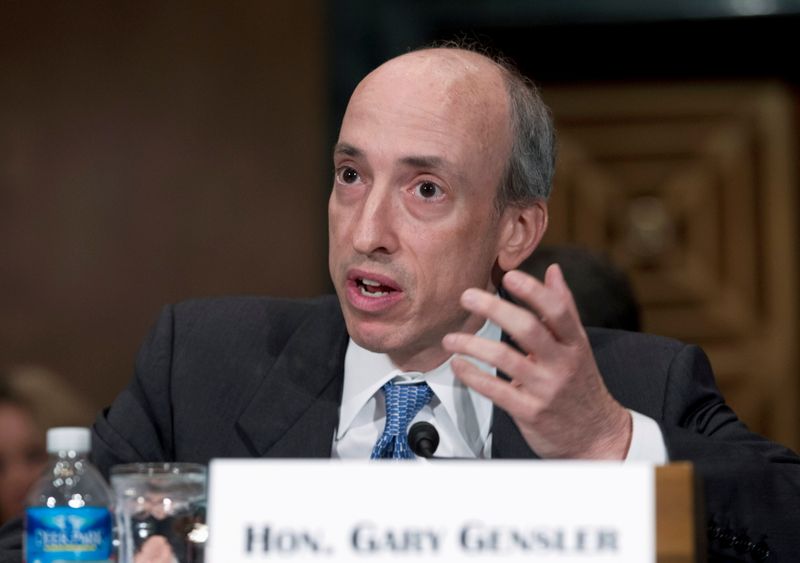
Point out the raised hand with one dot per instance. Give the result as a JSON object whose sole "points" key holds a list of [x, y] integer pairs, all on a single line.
{"points": [[556, 395]]}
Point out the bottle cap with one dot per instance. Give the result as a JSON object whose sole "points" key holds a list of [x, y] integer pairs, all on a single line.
{"points": [[67, 438]]}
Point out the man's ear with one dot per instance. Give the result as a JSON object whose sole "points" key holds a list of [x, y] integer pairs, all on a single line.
{"points": [[522, 229]]}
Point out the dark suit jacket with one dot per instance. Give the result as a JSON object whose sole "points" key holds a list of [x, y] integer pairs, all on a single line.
{"points": [[259, 377]]}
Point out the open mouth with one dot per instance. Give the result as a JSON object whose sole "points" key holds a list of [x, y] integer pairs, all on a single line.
{"points": [[372, 288]]}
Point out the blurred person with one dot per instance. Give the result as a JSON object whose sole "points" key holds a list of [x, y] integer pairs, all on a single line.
{"points": [[22, 452], [602, 291], [54, 402], [32, 399]]}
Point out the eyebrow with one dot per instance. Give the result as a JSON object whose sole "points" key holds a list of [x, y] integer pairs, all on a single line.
{"points": [[413, 160], [424, 161], [347, 150]]}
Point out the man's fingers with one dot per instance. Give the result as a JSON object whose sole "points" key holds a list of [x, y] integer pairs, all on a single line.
{"points": [[497, 354], [521, 324], [552, 301], [502, 393]]}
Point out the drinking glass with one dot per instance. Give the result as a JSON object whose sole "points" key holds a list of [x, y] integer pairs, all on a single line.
{"points": [[160, 499]]}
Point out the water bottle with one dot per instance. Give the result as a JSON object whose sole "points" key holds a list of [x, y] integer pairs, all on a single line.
{"points": [[68, 515]]}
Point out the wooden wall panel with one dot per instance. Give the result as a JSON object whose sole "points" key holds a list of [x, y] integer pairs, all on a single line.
{"points": [[691, 189]]}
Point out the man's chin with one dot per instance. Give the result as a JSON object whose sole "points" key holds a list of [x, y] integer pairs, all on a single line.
{"points": [[377, 335], [405, 352], [380, 338]]}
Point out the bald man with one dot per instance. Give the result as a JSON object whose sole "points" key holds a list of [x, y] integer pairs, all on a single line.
{"points": [[443, 168]]}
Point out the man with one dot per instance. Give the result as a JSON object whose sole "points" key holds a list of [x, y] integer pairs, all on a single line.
{"points": [[442, 171], [417, 219]]}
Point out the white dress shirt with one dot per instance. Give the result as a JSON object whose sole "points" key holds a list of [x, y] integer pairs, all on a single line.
{"points": [[462, 416]]}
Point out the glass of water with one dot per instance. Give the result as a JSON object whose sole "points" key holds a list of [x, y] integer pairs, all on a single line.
{"points": [[160, 508]]}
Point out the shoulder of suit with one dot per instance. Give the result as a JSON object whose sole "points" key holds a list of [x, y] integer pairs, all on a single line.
{"points": [[605, 340], [259, 305], [249, 314]]}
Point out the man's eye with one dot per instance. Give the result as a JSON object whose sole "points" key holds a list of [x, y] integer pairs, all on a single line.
{"points": [[347, 175], [429, 190]]}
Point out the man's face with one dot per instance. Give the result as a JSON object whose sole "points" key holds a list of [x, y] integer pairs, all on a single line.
{"points": [[412, 220]]}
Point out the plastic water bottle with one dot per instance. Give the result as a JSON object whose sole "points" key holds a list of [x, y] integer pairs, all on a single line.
{"points": [[68, 515]]}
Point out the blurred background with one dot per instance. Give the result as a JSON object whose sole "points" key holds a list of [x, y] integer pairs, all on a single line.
{"points": [[156, 151]]}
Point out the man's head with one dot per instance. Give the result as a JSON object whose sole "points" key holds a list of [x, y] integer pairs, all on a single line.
{"points": [[440, 185]]}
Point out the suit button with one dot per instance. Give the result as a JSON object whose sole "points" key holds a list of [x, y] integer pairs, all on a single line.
{"points": [[760, 551]]}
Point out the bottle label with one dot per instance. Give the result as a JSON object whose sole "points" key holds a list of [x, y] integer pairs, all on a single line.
{"points": [[67, 534]]}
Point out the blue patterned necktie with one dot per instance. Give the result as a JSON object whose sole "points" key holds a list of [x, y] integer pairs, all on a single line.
{"points": [[403, 402]]}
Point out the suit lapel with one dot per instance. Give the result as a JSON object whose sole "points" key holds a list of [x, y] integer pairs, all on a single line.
{"points": [[295, 411]]}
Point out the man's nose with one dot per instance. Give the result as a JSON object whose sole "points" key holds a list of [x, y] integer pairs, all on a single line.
{"points": [[374, 232]]}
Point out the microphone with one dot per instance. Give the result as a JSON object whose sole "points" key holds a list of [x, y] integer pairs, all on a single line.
{"points": [[423, 439]]}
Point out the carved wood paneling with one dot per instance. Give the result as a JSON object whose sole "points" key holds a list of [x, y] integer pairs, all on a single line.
{"points": [[690, 188]]}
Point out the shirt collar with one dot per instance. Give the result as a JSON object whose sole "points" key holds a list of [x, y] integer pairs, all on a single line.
{"points": [[365, 372]]}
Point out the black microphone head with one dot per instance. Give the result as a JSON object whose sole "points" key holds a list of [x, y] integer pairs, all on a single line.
{"points": [[423, 439]]}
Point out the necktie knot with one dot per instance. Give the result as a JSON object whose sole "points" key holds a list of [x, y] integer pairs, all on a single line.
{"points": [[403, 402]]}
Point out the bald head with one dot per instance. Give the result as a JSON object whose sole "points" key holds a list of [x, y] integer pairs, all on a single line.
{"points": [[463, 75]]}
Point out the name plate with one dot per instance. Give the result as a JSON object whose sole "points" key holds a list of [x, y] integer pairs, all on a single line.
{"points": [[337, 510]]}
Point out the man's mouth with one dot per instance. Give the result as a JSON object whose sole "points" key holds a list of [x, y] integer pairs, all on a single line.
{"points": [[372, 288], [371, 292]]}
